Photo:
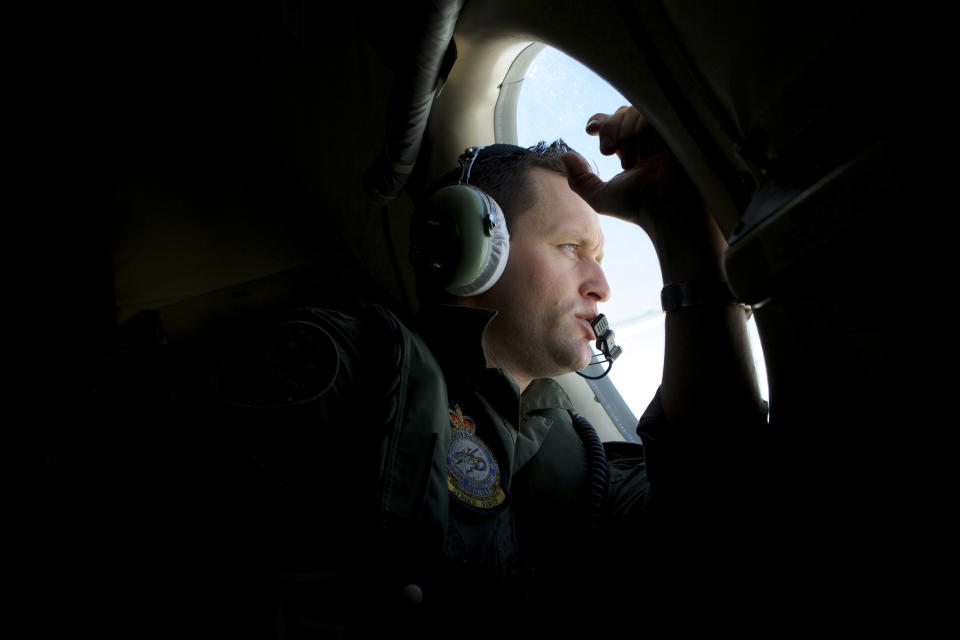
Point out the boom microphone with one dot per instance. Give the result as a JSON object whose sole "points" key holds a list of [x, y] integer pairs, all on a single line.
{"points": [[605, 343]]}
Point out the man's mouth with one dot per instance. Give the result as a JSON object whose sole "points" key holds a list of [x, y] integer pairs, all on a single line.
{"points": [[589, 326]]}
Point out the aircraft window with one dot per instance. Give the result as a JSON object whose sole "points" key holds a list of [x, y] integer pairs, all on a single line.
{"points": [[553, 96]]}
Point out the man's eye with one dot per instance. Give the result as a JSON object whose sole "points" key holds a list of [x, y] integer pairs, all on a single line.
{"points": [[572, 248]]}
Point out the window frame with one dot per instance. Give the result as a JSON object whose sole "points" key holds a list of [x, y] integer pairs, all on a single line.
{"points": [[505, 110]]}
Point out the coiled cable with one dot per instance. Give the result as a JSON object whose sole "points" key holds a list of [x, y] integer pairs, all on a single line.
{"points": [[597, 471]]}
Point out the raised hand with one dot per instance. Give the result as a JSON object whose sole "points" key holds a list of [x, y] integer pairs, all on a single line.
{"points": [[652, 187]]}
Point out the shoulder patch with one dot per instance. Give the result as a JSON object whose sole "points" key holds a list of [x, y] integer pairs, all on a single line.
{"points": [[473, 475]]}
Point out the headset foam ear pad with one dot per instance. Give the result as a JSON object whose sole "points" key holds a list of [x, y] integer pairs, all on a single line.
{"points": [[498, 243], [457, 242]]}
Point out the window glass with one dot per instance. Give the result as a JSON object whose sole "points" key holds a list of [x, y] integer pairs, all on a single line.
{"points": [[556, 98]]}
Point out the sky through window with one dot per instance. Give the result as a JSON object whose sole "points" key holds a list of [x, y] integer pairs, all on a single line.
{"points": [[558, 95]]}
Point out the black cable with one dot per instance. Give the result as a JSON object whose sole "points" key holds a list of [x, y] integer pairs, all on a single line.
{"points": [[597, 472], [602, 375]]}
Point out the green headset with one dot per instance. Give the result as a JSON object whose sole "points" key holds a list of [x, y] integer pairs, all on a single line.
{"points": [[460, 239]]}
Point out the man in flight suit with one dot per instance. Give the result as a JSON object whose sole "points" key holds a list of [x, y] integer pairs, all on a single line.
{"points": [[437, 477]]}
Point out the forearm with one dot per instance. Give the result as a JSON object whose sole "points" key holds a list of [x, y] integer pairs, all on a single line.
{"points": [[708, 369]]}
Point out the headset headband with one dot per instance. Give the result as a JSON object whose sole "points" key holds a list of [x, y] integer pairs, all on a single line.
{"points": [[465, 168]]}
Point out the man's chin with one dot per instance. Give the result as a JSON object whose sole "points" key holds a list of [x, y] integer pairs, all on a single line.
{"points": [[584, 361], [571, 360]]}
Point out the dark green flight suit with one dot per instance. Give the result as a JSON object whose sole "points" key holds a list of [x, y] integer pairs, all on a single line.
{"points": [[414, 487]]}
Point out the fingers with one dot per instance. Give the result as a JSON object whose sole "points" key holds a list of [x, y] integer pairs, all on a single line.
{"points": [[604, 197], [625, 132], [582, 180], [598, 120], [608, 126], [631, 127], [610, 131], [593, 124]]}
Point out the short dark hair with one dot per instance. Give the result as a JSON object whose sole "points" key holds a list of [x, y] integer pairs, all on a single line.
{"points": [[503, 170]]}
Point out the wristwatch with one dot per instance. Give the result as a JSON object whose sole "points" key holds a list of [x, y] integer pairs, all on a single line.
{"points": [[686, 295]]}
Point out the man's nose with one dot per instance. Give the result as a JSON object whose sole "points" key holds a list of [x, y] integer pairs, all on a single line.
{"points": [[595, 285]]}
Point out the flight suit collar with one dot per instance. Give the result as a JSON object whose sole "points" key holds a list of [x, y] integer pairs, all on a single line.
{"points": [[540, 405], [544, 393]]}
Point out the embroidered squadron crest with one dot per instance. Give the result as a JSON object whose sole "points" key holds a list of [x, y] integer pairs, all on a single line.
{"points": [[473, 475]]}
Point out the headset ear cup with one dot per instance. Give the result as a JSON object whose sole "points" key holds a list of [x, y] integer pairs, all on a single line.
{"points": [[498, 240], [461, 240]]}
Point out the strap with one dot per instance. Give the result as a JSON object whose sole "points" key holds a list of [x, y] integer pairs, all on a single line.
{"points": [[698, 293]]}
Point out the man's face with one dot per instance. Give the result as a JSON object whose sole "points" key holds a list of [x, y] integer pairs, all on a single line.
{"points": [[552, 284]]}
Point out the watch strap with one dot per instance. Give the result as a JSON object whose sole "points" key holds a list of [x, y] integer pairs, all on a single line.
{"points": [[686, 295]]}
